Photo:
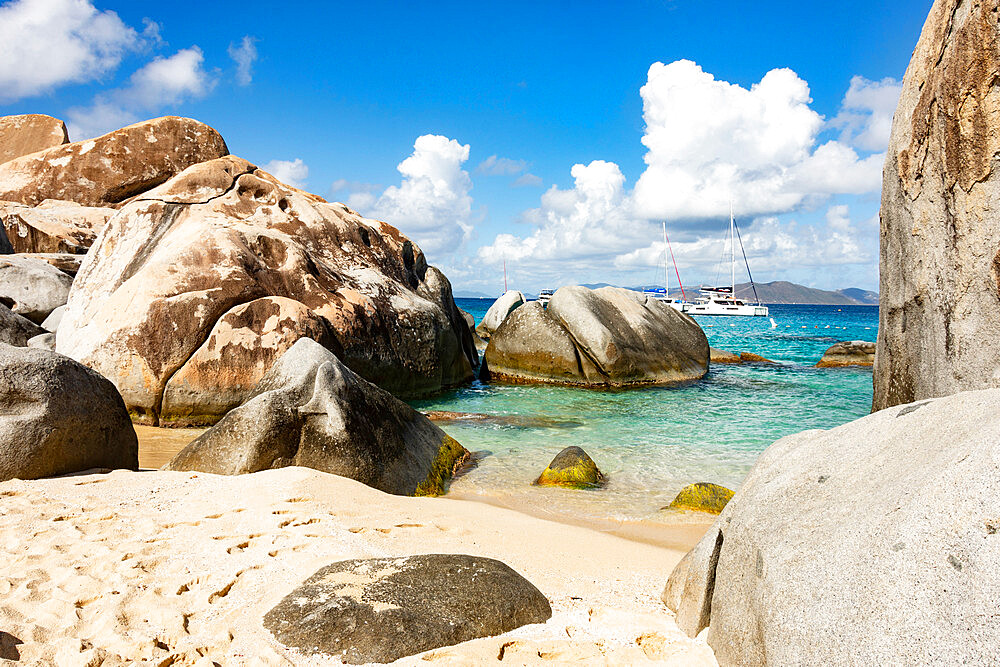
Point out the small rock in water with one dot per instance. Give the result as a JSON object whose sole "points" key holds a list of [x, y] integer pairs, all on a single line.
{"points": [[722, 357], [702, 497], [383, 609], [848, 353], [750, 357], [572, 468]]}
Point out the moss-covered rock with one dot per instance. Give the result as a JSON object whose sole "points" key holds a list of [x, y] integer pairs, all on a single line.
{"points": [[450, 459], [572, 468], [702, 497]]}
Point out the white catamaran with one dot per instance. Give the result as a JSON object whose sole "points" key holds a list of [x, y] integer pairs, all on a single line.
{"points": [[722, 300], [664, 294]]}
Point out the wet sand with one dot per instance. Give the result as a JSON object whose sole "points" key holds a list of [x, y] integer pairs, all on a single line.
{"points": [[158, 445]]}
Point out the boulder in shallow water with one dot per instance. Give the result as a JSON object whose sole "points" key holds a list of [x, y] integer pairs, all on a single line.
{"points": [[237, 266], [52, 226], [29, 133], [110, 169], [851, 353], [32, 287], [702, 497], [751, 358], [892, 519], [723, 357], [609, 337], [572, 468], [383, 609], [58, 416], [510, 301], [311, 410]]}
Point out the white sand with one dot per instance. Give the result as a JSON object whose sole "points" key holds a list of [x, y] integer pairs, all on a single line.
{"points": [[179, 569]]}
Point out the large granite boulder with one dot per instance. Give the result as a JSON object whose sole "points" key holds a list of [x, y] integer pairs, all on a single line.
{"points": [[848, 353], [939, 315], [194, 289], [878, 540], [52, 226], [382, 609], [608, 337], [16, 330], [311, 410], [29, 133], [112, 168], [510, 301], [58, 416], [32, 287]]}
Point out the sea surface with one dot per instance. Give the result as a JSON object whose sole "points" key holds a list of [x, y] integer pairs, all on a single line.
{"points": [[651, 442]]}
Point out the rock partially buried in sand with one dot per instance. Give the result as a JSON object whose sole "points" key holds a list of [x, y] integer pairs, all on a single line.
{"points": [[311, 410], [751, 358], [383, 609], [828, 526], [572, 468], [58, 416], [498, 312], [32, 287], [702, 497], [29, 133], [723, 357], [852, 353], [109, 169]]}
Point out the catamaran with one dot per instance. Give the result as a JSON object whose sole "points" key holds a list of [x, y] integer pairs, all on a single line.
{"points": [[663, 294], [722, 300]]}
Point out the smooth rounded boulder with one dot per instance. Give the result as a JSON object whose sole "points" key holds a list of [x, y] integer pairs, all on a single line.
{"points": [[52, 226], [939, 269], [609, 337], [193, 290], [58, 416], [572, 468], [29, 133], [16, 330], [383, 609], [891, 519], [108, 170], [32, 287], [702, 497], [311, 410], [498, 311], [848, 353]]}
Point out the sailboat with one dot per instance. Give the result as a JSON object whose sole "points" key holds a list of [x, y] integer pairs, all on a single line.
{"points": [[722, 300], [664, 294]]}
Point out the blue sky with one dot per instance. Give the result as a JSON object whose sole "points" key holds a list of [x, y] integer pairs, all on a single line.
{"points": [[398, 108]]}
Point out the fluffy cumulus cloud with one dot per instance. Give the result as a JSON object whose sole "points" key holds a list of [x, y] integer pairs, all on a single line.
{"points": [[293, 172], [432, 204], [48, 43], [244, 55], [866, 113], [163, 82], [504, 166]]}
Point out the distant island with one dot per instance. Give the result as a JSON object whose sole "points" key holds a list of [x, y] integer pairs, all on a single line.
{"points": [[778, 291]]}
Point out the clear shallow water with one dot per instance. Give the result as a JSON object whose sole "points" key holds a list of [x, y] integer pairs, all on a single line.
{"points": [[651, 442]]}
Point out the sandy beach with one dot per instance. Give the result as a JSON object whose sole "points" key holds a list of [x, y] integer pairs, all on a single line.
{"points": [[179, 568]]}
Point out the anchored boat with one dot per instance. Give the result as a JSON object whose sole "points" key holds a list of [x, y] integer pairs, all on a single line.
{"points": [[722, 300]]}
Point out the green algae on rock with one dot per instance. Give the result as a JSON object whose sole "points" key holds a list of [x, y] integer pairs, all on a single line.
{"points": [[702, 497], [572, 468], [451, 458]]}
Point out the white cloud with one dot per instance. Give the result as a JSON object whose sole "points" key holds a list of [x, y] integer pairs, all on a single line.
{"points": [[838, 218], [501, 166], [48, 43], [163, 82], [244, 56], [527, 180], [293, 172], [432, 204], [866, 113]]}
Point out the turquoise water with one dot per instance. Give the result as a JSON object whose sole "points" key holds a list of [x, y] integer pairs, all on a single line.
{"points": [[651, 442]]}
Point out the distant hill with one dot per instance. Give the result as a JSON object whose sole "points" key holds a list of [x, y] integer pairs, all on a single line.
{"points": [[466, 294], [861, 295]]}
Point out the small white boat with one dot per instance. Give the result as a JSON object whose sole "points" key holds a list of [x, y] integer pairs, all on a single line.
{"points": [[544, 296], [663, 293], [722, 300]]}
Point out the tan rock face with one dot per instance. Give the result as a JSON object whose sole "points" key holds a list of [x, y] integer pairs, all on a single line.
{"points": [[29, 133], [196, 287], [110, 169], [52, 226], [939, 329], [848, 353]]}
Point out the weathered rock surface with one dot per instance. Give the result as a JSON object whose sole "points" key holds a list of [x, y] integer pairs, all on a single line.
{"points": [[68, 263], [702, 497], [58, 416], [939, 321], [51, 323], [112, 168], [891, 519], [44, 341], [52, 226], [311, 410], [29, 133], [848, 353], [751, 358], [237, 266], [597, 338], [510, 301], [32, 287], [723, 357], [16, 330], [572, 468], [383, 609]]}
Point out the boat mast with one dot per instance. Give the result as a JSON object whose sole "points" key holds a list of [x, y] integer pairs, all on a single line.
{"points": [[666, 271], [732, 246], [505, 276]]}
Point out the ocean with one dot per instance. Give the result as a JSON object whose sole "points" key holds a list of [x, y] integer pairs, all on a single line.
{"points": [[653, 441]]}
